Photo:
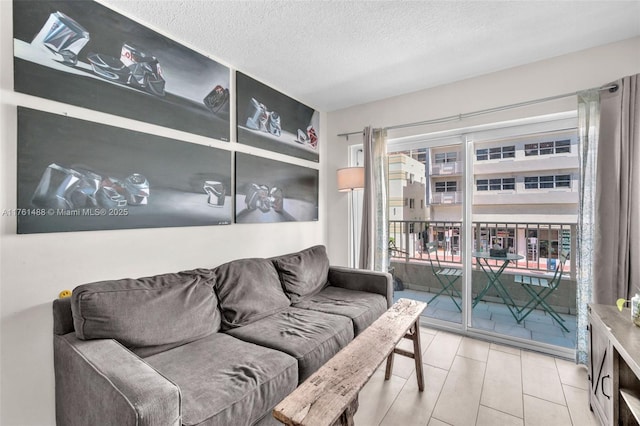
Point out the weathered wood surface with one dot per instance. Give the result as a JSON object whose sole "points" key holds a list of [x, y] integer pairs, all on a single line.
{"points": [[323, 398], [624, 335]]}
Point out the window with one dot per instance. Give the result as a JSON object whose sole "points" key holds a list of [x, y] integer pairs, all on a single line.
{"points": [[563, 146], [508, 184], [547, 148], [446, 157], [531, 182], [547, 182], [496, 153], [411, 203], [508, 151], [498, 184], [450, 186], [530, 149]]}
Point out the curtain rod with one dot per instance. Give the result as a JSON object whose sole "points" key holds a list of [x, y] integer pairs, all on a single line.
{"points": [[611, 88]]}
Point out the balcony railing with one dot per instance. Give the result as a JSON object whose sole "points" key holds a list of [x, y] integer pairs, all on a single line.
{"points": [[446, 197], [538, 243], [444, 169]]}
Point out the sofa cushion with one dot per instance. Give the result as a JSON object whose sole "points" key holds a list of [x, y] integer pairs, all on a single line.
{"points": [[147, 315], [248, 289], [225, 381], [309, 336], [363, 308], [303, 273]]}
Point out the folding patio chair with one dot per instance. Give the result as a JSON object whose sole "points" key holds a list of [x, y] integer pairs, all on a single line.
{"points": [[540, 288], [445, 276]]}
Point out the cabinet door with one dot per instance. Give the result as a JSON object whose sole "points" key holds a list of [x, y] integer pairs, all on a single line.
{"points": [[601, 374]]}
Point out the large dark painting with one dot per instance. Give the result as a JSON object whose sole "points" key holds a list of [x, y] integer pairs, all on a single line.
{"points": [[271, 120], [273, 191], [82, 53], [76, 175]]}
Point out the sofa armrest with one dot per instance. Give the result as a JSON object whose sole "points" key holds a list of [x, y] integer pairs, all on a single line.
{"points": [[102, 382], [362, 280]]}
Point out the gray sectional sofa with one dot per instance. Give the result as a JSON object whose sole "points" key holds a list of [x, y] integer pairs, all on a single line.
{"points": [[215, 346]]}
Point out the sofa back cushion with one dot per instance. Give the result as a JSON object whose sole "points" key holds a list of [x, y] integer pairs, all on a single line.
{"points": [[303, 273], [148, 315], [248, 290]]}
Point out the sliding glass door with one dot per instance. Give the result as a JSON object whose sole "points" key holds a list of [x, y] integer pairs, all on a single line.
{"points": [[426, 229], [482, 224]]}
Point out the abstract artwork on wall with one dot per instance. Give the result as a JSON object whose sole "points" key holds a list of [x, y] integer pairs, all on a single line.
{"points": [[271, 120], [273, 191], [76, 175], [85, 54]]}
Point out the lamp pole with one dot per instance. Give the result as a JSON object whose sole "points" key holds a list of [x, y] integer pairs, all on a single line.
{"points": [[350, 179]]}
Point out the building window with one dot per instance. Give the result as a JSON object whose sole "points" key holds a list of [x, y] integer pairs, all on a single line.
{"points": [[503, 184], [508, 184], [563, 146], [421, 204], [411, 203], [530, 149], [496, 153], [547, 182], [547, 148], [450, 186], [509, 151], [495, 184], [446, 157]]}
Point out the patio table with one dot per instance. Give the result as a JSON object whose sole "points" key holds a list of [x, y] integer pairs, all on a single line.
{"points": [[493, 278]]}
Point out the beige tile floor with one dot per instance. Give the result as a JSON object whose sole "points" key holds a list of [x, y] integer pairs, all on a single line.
{"points": [[472, 382]]}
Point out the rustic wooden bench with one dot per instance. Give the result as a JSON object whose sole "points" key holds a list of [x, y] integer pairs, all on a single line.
{"points": [[330, 395]]}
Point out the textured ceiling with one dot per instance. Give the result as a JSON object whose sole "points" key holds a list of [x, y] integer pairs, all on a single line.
{"points": [[334, 54]]}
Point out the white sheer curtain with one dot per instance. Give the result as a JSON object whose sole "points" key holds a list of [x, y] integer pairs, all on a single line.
{"points": [[588, 129], [374, 238]]}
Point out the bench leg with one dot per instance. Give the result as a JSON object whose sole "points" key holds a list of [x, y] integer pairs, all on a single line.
{"points": [[414, 336], [387, 373], [346, 418], [417, 354]]}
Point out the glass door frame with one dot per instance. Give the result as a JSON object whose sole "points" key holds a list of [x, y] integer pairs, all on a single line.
{"points": [[467, 138]]}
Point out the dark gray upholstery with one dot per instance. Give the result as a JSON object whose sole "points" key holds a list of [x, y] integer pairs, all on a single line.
{"points": [[309, 336], [248, 290], [363, 308], [62, 316], [100, 382], [148, 315], [192, 373], [225, 381], [363, 280], [303, 273]]}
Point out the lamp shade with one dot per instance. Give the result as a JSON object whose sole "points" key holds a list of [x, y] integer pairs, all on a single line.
{"points": [[350, 178]]}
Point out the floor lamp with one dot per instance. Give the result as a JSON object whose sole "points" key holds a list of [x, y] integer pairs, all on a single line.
{"points": [[351, 179]]}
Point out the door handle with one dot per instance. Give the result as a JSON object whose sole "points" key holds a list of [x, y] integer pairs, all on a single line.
{"points": [[602, 385]]}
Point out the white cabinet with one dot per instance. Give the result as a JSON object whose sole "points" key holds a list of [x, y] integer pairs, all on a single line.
{"points": [[614, 366]]}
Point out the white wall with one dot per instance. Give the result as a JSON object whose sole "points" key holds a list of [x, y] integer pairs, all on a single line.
{"points": [[560, 75], [35, 268]]}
